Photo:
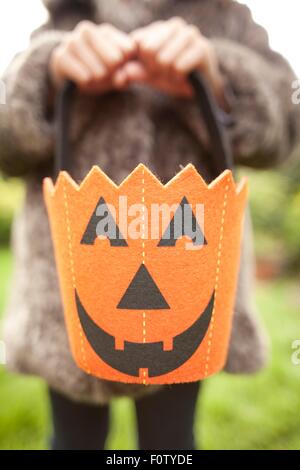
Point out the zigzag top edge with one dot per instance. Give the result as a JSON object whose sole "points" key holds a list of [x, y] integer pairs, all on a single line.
{"points": [[189, 171]]}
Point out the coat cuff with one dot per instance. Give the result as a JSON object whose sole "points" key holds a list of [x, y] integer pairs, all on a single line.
{"points": [[258, 135], [26, 119]]}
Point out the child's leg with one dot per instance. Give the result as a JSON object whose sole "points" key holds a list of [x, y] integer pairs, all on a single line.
{"points": [[166, 419], [77, 426]]}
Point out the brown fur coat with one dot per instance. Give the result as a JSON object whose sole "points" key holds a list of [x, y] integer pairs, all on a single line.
{"points": [[144, 126]]}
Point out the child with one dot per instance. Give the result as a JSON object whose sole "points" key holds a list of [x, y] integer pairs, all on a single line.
{"points": [[130, 59]]}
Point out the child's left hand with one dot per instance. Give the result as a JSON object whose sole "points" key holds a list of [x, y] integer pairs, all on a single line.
{"points": [[168, 51]]}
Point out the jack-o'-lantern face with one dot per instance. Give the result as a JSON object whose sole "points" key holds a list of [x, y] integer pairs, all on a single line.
{"points": [[148, 294]]}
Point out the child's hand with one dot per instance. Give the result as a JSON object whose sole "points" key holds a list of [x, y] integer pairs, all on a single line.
{"points": [[168, 51], [101, 58], [92, 56]]}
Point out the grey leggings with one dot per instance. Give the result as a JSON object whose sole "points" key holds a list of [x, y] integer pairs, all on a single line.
{"points": [[165, 421]]}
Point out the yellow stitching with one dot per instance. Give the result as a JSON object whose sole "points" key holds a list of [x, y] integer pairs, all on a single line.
{"points": [[144, 327], [73, 275], [219, 256], [143, 257]]}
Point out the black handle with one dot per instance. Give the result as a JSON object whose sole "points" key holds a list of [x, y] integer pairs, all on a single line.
{"points": [[220, 148]]}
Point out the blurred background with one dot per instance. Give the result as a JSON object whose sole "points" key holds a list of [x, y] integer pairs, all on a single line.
{"points": [[260, 412]]}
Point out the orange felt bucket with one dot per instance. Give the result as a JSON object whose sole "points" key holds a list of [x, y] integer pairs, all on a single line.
{"points": [[147, 271]]}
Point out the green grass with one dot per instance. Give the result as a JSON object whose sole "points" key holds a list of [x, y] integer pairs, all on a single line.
{"points": [[257, 412]]}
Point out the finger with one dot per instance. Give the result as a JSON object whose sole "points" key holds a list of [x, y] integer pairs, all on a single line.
{"points": [[146, 35], [136, 72], [161, 33], [139, 33], [86, 55], [120, 79], [142, 36], [176, 46], [192, 58], [154, 39], [123, 41], [73, 69], [110, 55], [202, 57]]}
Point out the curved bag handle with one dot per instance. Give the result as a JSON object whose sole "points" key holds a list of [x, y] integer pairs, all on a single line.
{"points": [[212, 116]]}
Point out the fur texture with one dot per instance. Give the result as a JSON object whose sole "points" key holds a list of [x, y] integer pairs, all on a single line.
{"points": [[58, 7], [118, 131]]}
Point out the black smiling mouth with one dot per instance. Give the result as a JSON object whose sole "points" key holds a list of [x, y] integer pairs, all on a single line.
{"points": [[151, 356]]}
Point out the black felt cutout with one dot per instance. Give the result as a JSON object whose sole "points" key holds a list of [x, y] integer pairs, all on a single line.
{"points": [[180, 225], [149, 356], [91, 234], [142, 293]]}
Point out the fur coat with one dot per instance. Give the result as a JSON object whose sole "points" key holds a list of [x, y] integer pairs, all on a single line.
{"points": [[117, 131]]}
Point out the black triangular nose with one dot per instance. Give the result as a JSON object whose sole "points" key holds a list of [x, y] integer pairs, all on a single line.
{"points": [[143, 293]]}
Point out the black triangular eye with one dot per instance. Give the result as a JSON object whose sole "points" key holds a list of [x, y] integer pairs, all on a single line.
{"points": [[183, 223], [96, 227]]}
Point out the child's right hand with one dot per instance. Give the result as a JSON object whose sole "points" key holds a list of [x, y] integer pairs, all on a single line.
{"points": [[92, 56]]}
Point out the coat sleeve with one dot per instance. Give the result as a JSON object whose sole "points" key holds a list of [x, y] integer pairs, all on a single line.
{"points": [[26, 127], [266, 124]]}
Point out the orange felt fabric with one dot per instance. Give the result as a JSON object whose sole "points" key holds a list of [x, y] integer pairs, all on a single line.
{"points": [[187, 279]]}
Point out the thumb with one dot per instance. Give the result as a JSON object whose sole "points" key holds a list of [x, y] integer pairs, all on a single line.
{"points": [[136, 72]]}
